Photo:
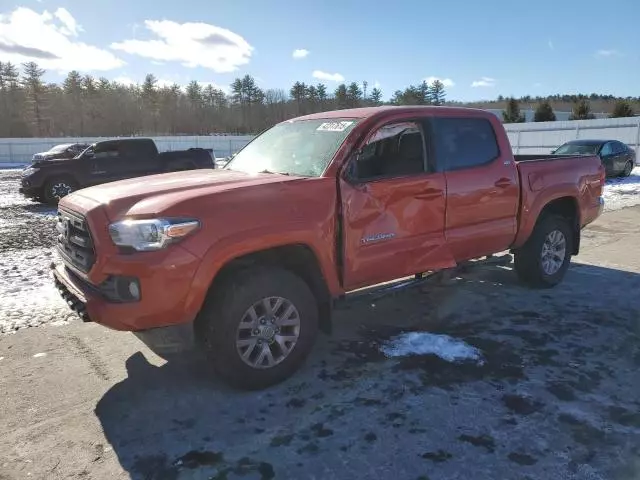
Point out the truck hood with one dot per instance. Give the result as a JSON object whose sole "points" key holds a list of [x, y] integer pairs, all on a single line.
{"points": [[166, 193], [47, 158]]}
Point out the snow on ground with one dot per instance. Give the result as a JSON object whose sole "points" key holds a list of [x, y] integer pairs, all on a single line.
{"points": [[622, 192], [27, 295], [424, 343]]}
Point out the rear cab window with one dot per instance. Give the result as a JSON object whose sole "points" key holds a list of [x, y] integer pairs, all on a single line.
{"points": [[461, 143]]}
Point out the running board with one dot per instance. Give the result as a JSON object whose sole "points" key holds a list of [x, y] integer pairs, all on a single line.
{"points": [[374, 293]]}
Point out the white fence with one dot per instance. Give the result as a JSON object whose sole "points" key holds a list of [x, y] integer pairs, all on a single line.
{"points": [[19, 151], [542, 137], [524, 137]]}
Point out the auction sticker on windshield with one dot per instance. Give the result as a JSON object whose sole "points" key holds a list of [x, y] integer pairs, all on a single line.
{"points": [[334, 126]]}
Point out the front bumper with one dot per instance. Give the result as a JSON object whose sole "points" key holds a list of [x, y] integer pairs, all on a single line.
{"points": [[29, 191], [165, 282]]}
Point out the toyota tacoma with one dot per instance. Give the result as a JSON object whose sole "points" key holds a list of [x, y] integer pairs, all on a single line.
{"points": [[249, 259]]}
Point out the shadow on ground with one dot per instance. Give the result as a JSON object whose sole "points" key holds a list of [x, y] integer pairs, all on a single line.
{"points": [[556, 397]]}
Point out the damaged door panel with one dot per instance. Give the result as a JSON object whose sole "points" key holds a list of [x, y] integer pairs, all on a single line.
{"points": [[393, 210]]}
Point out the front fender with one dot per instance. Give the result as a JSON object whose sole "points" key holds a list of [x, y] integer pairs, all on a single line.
{"points": [[256, 240]]}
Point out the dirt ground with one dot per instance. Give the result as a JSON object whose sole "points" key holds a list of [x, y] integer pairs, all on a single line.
{"points": [[557, 397]]}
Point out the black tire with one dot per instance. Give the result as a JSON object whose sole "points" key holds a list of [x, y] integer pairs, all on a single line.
{"points": [[218, 322], [58, 187], [528, 259], [628, 168]]}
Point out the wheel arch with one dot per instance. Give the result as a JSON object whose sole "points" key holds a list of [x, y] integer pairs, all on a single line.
{"points": [[566, 207], [299, 258]]}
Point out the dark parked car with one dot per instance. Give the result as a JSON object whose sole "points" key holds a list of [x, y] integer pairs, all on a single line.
{"points": [[617, 158], [48, 180], [59, 152]]}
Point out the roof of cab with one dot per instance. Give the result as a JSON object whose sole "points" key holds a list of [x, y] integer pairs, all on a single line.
{"points": [[368, 112]]}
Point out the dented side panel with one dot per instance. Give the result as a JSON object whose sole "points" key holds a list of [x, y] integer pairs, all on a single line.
{"points": [[393, 228]]}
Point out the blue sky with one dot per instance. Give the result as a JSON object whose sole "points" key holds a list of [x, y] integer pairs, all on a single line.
{"points": [[480, 49]]}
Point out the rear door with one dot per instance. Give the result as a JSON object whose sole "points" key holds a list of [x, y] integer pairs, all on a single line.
{"points": [[482, 185], [393, 208]]}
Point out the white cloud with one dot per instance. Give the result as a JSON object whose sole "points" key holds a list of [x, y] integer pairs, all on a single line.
{"points": [[551, 45], [69, 24], [191, 44], [330, 77], [608, 53], [376, 84], [447, 82], [300, 53], [537, 85], [484, 82], [49, 40]]}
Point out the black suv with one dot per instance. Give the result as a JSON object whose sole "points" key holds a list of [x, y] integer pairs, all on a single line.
{"points": [[48, 179]]}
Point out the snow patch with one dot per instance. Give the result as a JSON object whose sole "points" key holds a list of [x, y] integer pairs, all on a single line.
{"points": [[39, 355], [622, 192], [29, 298], [423, 343]]}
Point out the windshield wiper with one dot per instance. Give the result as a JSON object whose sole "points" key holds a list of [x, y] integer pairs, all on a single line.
{"points": [[274, 173]]}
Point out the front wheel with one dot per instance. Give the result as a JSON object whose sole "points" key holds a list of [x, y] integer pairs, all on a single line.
{"points": [[628, 168], [259, 327], [543, 260], [57, 188]]}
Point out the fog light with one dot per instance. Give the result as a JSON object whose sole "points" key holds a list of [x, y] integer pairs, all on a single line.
{"points": [[134, 290]]}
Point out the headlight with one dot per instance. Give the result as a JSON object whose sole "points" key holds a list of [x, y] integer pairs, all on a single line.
{"points": [[151, 234], [29, 171]]}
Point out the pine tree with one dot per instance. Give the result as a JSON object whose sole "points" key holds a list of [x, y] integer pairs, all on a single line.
{"points": [[298, 92], [150, 106], [581, 110], [12, 99], [342, 97], [621, 109], [354, 94], [321, 89], [35, 89], [438, 94], [544, 112], [376, 96], [512, 113]]}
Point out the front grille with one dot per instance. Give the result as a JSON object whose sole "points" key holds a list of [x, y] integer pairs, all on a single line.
{"points": [[74, 242]]}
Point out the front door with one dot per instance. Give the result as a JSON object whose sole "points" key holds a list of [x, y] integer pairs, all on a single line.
{"points": [[393, 209], [482, 186]]}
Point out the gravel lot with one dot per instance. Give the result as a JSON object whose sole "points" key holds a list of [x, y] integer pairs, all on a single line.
{"points": [[554, 392]]}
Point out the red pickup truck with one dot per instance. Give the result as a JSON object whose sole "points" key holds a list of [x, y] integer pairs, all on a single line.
{"points": [[250, 258]]}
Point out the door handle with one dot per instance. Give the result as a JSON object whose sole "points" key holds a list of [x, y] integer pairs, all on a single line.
{"points": [[503, 183], [429, 194]]}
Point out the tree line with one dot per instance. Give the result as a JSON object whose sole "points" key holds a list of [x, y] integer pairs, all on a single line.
{"points": [[581, 110], [83, 105], [86, 106]]}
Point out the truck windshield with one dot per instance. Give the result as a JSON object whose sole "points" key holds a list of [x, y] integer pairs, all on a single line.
{"points": [[577, 149], [303, 147]]}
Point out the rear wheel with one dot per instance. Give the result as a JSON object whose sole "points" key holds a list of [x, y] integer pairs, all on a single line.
{"points": [[628, 168], [259, 327], [543, 261], [57, 188]]}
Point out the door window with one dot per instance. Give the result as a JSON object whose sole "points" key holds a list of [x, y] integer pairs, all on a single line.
{"points": [[464, 142], [394, 150], [607, 149]]}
